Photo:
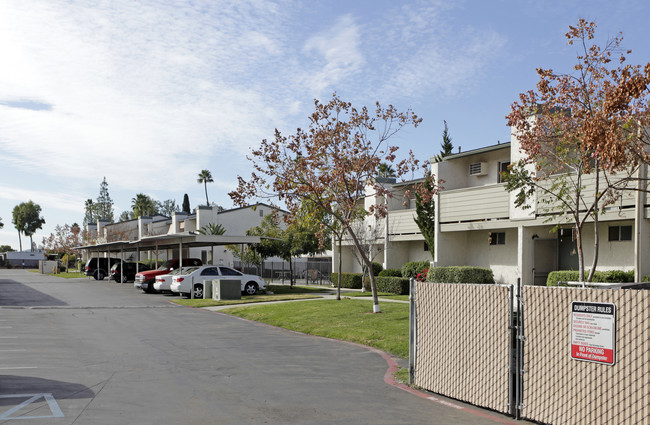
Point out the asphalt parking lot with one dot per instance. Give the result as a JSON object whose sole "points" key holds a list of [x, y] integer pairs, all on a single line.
{"points": [[80, 351]]}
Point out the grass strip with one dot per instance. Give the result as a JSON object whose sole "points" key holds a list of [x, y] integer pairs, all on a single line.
{"points": [[347, 320], [246, 299], [66, 275], [387, 295]]}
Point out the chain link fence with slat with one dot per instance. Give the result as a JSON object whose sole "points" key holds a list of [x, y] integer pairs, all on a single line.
{"points": [[561, 390], [463, 342]]}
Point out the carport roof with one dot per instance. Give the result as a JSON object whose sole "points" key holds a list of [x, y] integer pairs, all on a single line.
{"points": [[187, 239]]}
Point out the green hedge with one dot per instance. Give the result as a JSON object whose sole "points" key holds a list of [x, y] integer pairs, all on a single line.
{"points": [[412, 268], [393, 285], [390, 273], [152, 263], [377, 268], [610, 276], [460, 274], [348, 280]]}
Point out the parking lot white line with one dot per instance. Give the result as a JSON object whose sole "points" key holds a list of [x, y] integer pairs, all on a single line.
{"points": [[6, 327], [8, 337], [18, 367], [55, 410]]}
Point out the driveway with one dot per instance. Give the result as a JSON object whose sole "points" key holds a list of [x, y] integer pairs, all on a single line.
{"points": [[80, 351]]}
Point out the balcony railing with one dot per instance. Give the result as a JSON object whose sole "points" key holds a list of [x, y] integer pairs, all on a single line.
{"points": [[474, 203], [402, 222]]}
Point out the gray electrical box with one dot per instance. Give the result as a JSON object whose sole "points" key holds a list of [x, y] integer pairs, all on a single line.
{"points": [[207, 289], [226, 289]]}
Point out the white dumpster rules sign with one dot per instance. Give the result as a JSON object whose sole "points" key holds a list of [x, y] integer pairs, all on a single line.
{"points": [[593, 332]]}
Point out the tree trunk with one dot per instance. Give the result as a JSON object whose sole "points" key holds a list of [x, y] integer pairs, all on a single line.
{"points": [[207, 203], [581, 260], [595, 262], [290, 273], [338, 287], [368, 263], [20, 242]]}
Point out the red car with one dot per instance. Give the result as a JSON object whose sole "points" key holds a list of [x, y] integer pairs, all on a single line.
{"points": [[145, 280]]}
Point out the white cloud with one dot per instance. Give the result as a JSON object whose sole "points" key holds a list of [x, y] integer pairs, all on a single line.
{"points": [[47, 199], [420, 51], [133, 85], [338, 55]]}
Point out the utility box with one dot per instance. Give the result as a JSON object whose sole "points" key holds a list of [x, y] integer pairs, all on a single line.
{"points": [[46, 267], [207, 289], [226, 289]]}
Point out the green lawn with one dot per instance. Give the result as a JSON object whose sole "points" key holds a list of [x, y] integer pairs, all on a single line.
{"points": [[348, 320], [68, 275], [379, 294]]}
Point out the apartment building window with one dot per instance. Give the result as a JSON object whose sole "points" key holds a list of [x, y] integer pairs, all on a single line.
{"points": [[261, 212], [497, 238], [620, 233], [503, 169], [426, 246]]}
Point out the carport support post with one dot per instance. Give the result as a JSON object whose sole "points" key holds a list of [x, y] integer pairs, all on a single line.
{"points": [[412, 331], [121, 264]]}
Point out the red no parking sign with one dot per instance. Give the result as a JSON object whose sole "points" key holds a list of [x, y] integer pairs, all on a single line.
{"points": [[593, 332]]}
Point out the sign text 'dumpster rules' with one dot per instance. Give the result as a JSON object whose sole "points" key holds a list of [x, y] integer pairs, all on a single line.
{"points": [[593, 332]]}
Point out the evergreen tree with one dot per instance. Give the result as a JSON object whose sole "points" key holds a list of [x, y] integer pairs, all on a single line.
{"points": [[104, 206], [89, 216], [447, 146], [186, 204]]}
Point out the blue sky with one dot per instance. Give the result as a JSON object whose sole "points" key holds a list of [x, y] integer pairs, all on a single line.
{"points": [[148, 93]]}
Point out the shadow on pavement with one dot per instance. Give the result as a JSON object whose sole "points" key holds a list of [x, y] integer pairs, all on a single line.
{"points": [[12, 385], [14, 293]]}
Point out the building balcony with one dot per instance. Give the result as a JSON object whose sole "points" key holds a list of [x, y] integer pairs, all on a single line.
{"points": [[491, 202]]}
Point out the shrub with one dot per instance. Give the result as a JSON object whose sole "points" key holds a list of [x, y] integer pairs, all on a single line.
{"points": [[646, 278], [421, 277], [618, 276], [348, 280], [376, 268], [609, 276], [413, 268], [390, 273], [394, 285], [152, 263], [460, 274]]}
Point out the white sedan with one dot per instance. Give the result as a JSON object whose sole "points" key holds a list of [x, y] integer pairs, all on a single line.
{"points": [[193, 279], [164, 281]]}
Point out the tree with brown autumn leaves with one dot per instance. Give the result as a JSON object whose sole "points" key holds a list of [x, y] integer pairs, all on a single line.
{"points": [[330, 164], [63, 241], [583, 135]]}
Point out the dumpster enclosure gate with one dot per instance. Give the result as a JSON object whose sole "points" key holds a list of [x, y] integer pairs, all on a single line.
{"points": [[508, 349]]}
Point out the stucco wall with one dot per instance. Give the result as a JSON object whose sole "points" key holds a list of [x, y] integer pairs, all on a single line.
{"points": [[471, 248]]}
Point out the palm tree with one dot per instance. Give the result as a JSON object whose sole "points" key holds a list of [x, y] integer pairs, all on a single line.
{"points": [[385, 170], [205, 177], [143, 205], [212, 229]]}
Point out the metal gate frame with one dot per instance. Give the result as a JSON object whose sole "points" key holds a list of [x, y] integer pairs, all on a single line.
{"points": [[516, 352]]}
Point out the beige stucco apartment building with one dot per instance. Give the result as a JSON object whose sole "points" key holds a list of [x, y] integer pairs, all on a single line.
{"points": [[477, 224]]}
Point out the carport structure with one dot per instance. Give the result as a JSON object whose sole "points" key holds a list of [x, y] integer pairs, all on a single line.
{"points": [[167, 241]]}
